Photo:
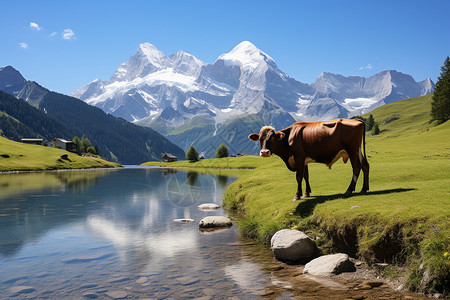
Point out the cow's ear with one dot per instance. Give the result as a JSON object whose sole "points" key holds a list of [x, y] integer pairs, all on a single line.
{"points": [[254, 137], [279, 135]]}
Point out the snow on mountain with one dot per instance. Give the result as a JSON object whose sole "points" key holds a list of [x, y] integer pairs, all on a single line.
{"points": [[165, 92]]}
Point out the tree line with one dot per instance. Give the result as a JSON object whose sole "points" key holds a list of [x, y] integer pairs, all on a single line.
{"points": [[371, 125]]}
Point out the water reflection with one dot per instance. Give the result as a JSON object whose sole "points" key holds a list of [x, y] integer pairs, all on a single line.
{"points": [[20, 183], [110, 228], [222, 181]]}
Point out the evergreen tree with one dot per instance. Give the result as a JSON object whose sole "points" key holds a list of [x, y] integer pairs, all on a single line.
{"points": [[370, 123], [77, 142], [86, 144], [375, 129], [222, 151], [192, 154], [440, 105]]}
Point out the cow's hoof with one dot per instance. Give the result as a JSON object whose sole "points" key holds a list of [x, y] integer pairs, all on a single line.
{"points": [[363, 192], [305, 195], [347, 194], [295, 198]]}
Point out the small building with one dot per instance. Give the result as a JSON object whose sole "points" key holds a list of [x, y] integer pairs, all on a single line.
{"points": [[62, 144], [167, 157], [32, 141]]}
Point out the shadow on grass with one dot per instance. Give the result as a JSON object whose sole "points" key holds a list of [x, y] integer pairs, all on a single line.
{"points": [[306, 207]]}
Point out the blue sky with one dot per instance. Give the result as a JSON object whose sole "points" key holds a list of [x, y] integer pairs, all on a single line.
{"points": [[64, 45]]}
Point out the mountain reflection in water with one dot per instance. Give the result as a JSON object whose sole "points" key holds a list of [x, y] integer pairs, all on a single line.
{"points": [[65, 234]]}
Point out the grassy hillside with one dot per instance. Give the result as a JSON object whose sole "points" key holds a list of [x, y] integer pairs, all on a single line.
{"points": [[404, 218], [15, 156]]}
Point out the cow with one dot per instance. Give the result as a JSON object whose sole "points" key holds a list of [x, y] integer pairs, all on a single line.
{"points": [[322, 142]]}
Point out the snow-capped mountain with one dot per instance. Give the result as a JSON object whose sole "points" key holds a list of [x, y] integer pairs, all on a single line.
{"points": [[179, 93]]}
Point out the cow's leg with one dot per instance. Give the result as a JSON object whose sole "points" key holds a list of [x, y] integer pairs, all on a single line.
{"points": [[365, 168], [308, 188], [299, 176], [356, 160]]}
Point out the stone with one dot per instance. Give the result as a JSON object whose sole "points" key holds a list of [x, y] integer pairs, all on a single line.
{"points": [[215, 222], [208, 206], [22, 289], [117, 294], [327, 265], [290, 245], [183, 220]]}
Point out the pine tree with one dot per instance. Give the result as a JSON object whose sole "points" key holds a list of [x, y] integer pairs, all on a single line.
{"points": [[86, 143], [76, 140], [192, 154], [440, 105], [375, 129], [370, 122], [222, 151]]}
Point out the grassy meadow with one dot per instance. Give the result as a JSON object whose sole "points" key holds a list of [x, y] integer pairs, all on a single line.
{"points": [[15, 156], [402, 220]]}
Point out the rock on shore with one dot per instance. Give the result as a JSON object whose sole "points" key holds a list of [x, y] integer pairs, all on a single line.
{"points": [[292, 245], [327, 265]]}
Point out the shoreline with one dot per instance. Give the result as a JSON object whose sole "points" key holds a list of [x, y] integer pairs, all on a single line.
{"points": [[59, 170]]}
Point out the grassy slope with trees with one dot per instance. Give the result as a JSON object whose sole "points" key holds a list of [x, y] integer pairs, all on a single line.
{"points": [[15, 156], [404, 218]]}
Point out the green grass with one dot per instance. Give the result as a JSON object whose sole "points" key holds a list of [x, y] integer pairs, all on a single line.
{"points": [[16, 156], [403, 220]]}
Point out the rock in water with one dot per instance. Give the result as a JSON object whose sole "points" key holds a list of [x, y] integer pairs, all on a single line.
{"points": [[215, 222], [208, 206], [292, 245], [183, 220], [327, 265]]}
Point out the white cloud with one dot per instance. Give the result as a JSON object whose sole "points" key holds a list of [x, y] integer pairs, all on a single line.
{"points": [[23, 45], [53, 34], [35, 26], [368, 67], [68, 34]]}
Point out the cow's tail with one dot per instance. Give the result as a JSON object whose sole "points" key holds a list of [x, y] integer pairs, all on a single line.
{"points": [[364, 139]]}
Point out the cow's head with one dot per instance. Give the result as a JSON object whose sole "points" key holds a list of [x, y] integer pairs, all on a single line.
{"points": [[267, 136]]}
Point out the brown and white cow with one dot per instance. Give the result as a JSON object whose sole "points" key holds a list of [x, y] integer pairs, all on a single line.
{"points": [[323, 142]]}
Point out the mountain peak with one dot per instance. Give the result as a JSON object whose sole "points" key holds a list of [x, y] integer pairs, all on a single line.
{"points": [[247, 55], [245, 46], [150, 51], [10, 76]]}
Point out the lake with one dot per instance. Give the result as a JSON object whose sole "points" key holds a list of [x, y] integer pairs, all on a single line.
{"points": [[110, 234]]}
